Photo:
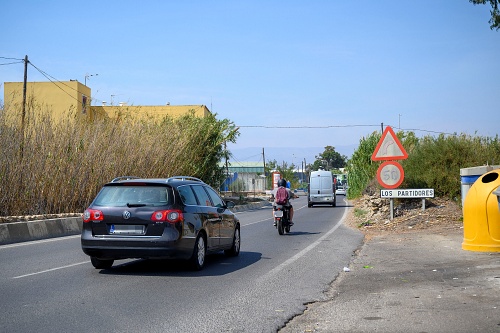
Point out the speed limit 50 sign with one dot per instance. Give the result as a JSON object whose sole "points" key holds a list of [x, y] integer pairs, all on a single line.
{"points": [[390, 174]]}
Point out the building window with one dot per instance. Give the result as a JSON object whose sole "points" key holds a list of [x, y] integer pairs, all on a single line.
{"points": [[84, 104]]}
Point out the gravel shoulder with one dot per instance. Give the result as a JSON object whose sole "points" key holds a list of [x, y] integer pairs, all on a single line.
{"points": [[410, 275], [372, 216]]}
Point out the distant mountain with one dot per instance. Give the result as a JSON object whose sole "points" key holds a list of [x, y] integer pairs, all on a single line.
{"points": [[295, 155]]}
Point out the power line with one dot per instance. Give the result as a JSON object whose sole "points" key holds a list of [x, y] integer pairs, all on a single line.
{"points": [[427, 131], [18, 61], [341, 126], [53, 79], [46, 75], [299, 127], [11, 58], [12, 63]]}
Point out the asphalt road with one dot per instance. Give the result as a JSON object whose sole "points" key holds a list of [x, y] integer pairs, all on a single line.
{"points": [[50, 285]]}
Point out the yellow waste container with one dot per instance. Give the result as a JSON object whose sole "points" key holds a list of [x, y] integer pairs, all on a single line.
{"points": [[482, 215]]}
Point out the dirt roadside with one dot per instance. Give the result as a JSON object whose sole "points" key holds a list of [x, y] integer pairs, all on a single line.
{"points": [[410, 275], [372, 216]]}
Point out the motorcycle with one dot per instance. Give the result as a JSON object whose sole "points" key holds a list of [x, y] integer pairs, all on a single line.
{"points": [[282, 219]]}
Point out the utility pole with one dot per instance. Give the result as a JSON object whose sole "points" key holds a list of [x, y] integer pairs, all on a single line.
{"points": [[302, 173], [305, 170], [227, 166], [23, 115], [265, 176]]}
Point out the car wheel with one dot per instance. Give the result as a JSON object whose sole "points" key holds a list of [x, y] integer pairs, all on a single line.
{"points": [[199, 252], [235, 248], [101, 263]]}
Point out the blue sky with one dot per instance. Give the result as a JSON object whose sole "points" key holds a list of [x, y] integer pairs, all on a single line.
{"points": [[429, 65]]}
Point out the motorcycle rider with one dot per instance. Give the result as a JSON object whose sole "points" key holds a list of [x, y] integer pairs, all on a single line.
{"points": [[291, 195]]}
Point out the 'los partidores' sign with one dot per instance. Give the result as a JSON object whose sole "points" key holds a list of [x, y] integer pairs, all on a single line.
{"points": [[413, 193]]}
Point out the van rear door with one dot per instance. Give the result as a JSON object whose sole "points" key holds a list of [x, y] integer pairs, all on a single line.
{"points": [[326, 185], [321, 189]]}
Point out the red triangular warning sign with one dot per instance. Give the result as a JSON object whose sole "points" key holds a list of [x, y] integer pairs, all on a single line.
{"points": [[389, 147]]}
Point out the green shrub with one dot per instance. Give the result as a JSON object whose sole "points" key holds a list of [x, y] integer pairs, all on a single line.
{"points": [[359, 213], [360, 168], [433, 162]]}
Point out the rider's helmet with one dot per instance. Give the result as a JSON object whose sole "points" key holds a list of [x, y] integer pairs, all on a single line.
{"points": [[282, 182]]}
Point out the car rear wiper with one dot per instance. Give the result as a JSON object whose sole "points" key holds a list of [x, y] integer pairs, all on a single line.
{"points": [[135, 205]]}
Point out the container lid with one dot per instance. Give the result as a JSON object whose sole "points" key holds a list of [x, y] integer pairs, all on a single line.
{"points": [[497, 191], [478, 170]]}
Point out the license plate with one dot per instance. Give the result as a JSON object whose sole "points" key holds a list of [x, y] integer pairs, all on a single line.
{"points": [[278, 213], [125, 229]]}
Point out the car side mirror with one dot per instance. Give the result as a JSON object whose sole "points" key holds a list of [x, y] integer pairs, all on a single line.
{"points": [[230, 204]]}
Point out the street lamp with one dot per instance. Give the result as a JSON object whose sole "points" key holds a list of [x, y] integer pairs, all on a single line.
{"points": [[113, 96], [87, 76]]}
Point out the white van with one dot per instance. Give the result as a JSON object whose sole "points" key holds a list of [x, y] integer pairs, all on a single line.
{"points": [[321, 189]]}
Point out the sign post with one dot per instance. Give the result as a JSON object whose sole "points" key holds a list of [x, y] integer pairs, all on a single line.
{"points": [[414, 193], [276, 176], [390, 174]]}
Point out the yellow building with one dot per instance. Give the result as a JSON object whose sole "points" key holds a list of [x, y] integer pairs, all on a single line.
{"points": [[57, 98], [143, 112], [61, 99]]}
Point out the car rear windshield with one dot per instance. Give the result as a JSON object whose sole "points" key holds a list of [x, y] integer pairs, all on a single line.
{"points": [[117, 196]]}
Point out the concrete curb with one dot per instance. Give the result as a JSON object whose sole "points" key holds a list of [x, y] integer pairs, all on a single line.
{"points": [[16, 232], [24, 231], [251, 206]]}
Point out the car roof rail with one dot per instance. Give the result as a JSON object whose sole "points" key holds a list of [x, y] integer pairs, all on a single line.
{"points": [[184, 178], [117, 179]]}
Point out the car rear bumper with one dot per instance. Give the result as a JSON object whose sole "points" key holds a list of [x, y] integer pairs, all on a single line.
{"points": [[321, 199], [135, 252], [112, 247]]}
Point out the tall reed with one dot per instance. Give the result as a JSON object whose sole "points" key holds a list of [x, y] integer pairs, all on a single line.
{"points": [[59, 166]]}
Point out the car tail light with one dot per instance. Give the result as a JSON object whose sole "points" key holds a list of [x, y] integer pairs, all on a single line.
{"points": [[170, 216], [92, 215]]}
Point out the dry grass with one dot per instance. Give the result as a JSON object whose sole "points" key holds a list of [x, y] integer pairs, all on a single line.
{"points": [[59, 167], [372, 216]]}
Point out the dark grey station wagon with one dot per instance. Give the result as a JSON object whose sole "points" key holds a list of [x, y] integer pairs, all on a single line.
{"points": [[178, 217]]}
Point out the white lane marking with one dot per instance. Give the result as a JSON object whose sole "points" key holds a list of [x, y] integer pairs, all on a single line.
{"points": [[245, 225], [84, 262], [8, 246], [50, 270], [304, 251], [56, 239]]}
